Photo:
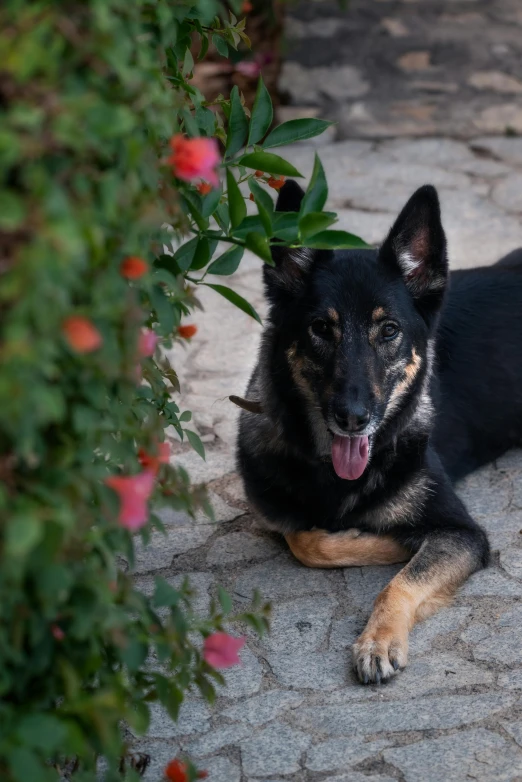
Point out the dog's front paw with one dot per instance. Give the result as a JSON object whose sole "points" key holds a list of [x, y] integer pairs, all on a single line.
{"points": [[379, 654]]}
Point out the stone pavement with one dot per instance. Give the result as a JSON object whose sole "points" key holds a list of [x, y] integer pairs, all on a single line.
{"points": [[388, 68], [292, 710]]}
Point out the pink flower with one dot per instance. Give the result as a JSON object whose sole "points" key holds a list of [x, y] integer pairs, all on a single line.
{"points": [[147, 343], [249, 68], [133, 491], [195, 158], [220, 650], [153, 461]]}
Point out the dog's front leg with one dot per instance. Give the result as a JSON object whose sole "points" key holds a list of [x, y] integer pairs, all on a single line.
{"points": [[428, 582], [351, 548]]}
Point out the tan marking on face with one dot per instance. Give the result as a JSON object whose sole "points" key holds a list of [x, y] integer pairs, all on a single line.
{"points": [[378, 314], [411, 371], [319, 548], [333, 315]]}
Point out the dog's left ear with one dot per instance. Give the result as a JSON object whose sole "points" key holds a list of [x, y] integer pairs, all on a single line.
{"points": [[416, 245]]}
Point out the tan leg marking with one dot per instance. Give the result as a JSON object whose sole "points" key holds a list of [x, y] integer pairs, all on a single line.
{"points": [[319, 548], [382, 649]]}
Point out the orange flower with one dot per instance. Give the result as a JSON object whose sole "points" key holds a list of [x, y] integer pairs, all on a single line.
{"points": [[204, 188], [133, 267], [259, 173], [195, 158], [251, 196], [81, 334], [187, 331], [277, 184], [176, 771], [246, 7]]}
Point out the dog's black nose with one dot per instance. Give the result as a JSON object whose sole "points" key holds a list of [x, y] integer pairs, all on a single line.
{"points": [[352, 419]]}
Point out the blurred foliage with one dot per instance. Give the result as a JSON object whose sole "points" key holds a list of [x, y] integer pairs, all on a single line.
{"points": [[90, 94]]}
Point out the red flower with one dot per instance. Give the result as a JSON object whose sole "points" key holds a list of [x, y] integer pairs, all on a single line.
{"points": [[251, 197], [259, 173], [220, 650], [176, 771], [194, 158], [133, 491], [277, 184], [246, 7], [204, 188], [153, 461], [133, 267], [147, 343], [187, 331], [81, 334], [58, 633]]}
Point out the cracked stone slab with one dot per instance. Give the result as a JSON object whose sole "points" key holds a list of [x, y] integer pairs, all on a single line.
{"points": [[491, 582], [223, 512], [502, 647], [216, 739], [512, 680], [263, 708], [310, 670], [244, 679], [364, 584], [478, 754], [242, 547], [338, 754], [193, 718], [423, 634], [281, 577], [161, 549], [221, 770], [449, 711], [275, 750]]}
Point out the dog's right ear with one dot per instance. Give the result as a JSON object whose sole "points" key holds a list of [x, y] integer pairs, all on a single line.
{"points": [[291, 265]]}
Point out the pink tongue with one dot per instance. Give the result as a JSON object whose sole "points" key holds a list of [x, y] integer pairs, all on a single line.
{"points": [[349, 456]]}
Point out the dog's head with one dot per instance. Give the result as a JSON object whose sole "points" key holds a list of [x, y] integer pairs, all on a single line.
{"points": [[354, 327]]}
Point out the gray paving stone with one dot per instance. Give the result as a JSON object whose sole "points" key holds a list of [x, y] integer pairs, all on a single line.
{"points": [[476, 632], [281, 577], [436, 673], [511, 618], [443, 152], [477, 754], [310, 670], [162, 549], [514, 729], [193, 718], [512, 680], [221, 770], [244, 679], [275, 750], [223, 512], [449, 711], [241, 547], [502, 647], [341, 753], [344, 632], [300, 625], [216, 739], [508, 149], [364, 584], [263, 708], [160, 753], [307, 84], [355, 777], [511, 561], [508, 193], [492, 583], [423, 634]]}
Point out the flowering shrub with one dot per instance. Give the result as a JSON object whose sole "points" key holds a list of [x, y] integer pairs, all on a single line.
{"points": [[103, 142]]}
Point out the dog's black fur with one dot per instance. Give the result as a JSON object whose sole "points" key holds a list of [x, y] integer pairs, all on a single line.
{"points": [[377, 342]]}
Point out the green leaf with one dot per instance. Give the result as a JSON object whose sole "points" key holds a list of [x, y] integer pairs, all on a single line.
{"points": [[42, 731], [237, 125], [262, 114], [224, 600], [258, 244], [184, 254], [23, 533], [317, 190], [236, 202], [209, 203], [295, 130], [194, 439], [335, 240], [313, 222], [202, 255], [220, 45], [165, 594], [235, 299], [286, 226], [164, 310], [269, 163], [264, 204], [228, 262]]}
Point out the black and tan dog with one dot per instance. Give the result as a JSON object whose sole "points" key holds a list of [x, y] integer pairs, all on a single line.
{"points": [[374, 390]]}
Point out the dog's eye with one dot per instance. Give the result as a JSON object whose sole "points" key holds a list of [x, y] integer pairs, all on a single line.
{"points": [[389, 331], [321, 328]]}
